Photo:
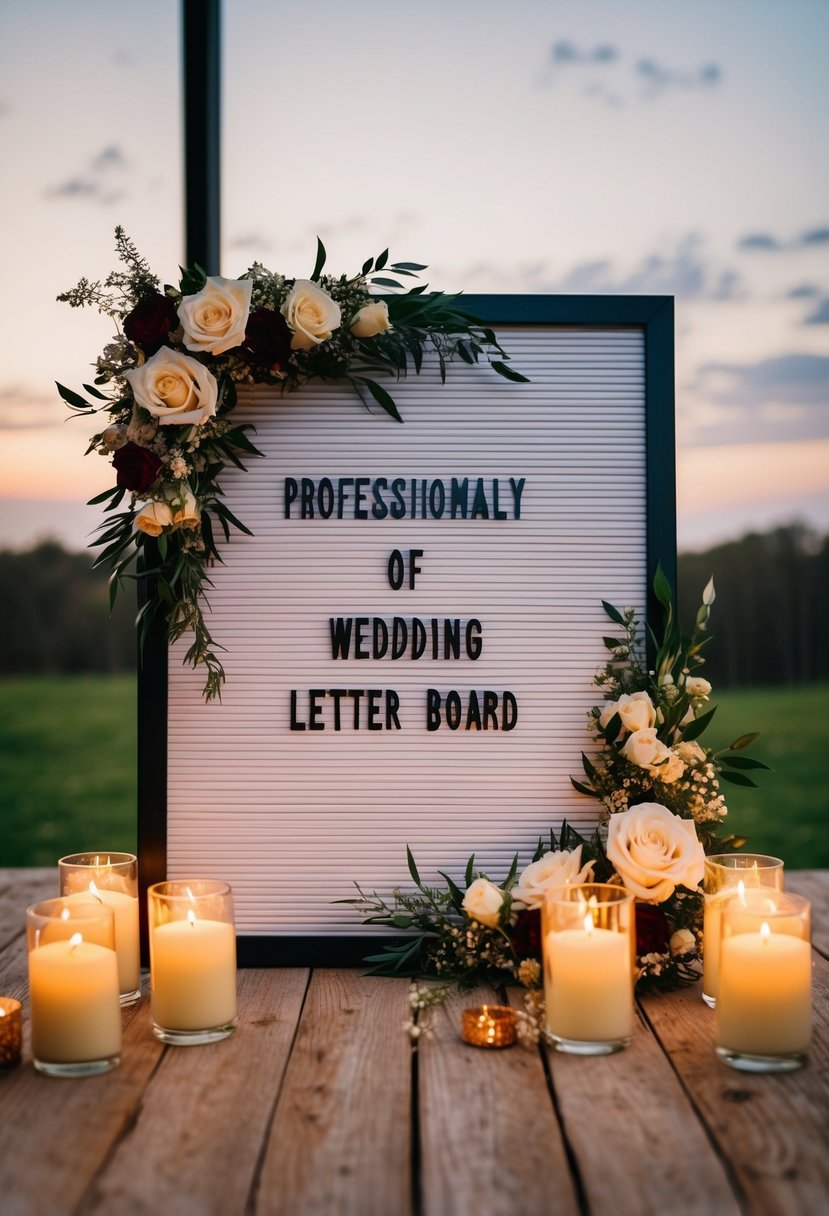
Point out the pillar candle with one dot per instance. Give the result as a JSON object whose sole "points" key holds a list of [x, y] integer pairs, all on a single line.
{"points": [[764, 1000], [75, 1010], [590, 989], [193, 974], [125, 911]]}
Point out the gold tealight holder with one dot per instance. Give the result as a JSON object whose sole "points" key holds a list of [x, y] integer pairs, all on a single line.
{"points": [[488, 1026], [11, 1031]]}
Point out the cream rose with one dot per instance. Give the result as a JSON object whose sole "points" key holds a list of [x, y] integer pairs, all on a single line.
{"points": [[654, 851], [683, 942], [153, 518], [690, 752], [372, 319], [215, 318], [311, 314], [695, 686], [635, 709], [483, 901], [646, 750], [186, 513], [550, 873], [174, 388]]}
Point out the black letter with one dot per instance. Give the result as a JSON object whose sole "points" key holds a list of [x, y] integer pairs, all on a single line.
{"points": [[473, 713], [316, 710], [395, 570], [340, 636], [413, 568], [508, 721], [291, 488], [517, 491], [379, 510], [474, 645], [432, 709], [360, 511], [307, 498], [294, 724], [392, 706]]}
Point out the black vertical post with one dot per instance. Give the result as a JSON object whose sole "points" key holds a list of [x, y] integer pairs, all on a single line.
{"points": [[201, 45]]}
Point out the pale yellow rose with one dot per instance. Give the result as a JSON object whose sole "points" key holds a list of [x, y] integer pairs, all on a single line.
{"points": [[635, 709], [153, 518], [646, 750], [550, 873], [483, 901], [372, 319], [690, 752], [695, 686], [683, 942], [186, 513], [174, 388], [214, 319], [654, 851], [311, 314]]}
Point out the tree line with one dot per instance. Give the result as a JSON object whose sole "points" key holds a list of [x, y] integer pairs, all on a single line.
{"points": [[772, 589]]}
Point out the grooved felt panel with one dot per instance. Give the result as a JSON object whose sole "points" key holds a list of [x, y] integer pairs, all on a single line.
{"points": [[291, 817]]}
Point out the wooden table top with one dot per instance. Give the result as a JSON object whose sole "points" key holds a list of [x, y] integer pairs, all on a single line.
{"points": [[319, 1104]]}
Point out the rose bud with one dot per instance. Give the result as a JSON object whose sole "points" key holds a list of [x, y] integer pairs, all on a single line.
{"points": [[137, 467], [151, 321]]}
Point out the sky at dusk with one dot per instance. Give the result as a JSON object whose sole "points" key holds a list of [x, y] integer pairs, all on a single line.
{"points": [[593, 146]]}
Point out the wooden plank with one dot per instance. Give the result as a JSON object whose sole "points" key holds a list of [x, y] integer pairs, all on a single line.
{"points": [[57, 1134], [202, 1121], [771, 1129], [18, 889], [489, 1138], [341, 1135], [814, 885], [637, 1142]]}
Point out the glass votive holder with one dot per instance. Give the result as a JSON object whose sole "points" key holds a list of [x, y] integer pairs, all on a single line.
{"points": [[764, 1003], [73, 988], [111, 878], [723, 874], [489, 1026], [587, 933], [11, 1031], [192, 961]]}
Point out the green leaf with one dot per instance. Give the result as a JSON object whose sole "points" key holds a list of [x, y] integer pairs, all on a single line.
{"points": [[382, 398], [402, 922], [744, 762], [224, 513], [367, 266], [613, 643], [408, 266], [588, 767], [104, 495], [612, 729], [662, 588], [470, 871], [464, 352], [382, 282], [382, 260], [737, 779], [694, 729], [93, 392], [75, 400], [614, 613], [413, 868], [192, 280], [455, 893], [163, 545], [508, 373], [320, 262], [743, 741], [583, 789]]}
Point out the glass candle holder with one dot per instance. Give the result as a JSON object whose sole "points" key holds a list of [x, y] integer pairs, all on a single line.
{"points": [[111, 878], [73, 987], [192, 961], [723, 874], [11, 1031], [489, 1026], [764, 1003], [588, 942]]}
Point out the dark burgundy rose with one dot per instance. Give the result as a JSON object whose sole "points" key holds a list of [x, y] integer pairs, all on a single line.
{"points": [[653, 932], [137, 467], [526, 934], [150, 322], [267, 340]]}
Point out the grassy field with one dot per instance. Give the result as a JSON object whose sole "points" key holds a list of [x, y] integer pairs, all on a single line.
{"points": [[67, 768]]}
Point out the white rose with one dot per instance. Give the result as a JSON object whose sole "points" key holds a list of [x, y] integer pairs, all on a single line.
{"points": [[636, 711], [654, 851], [550, 873], [174, 388], [483, 901], [371, 320], [695, 686], [670, 768], [215, 319], [153, 518], [690, 752], [311, 314], [683, 942], [644, 749]]}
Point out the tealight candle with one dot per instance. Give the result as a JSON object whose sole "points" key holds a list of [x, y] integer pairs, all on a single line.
{"points": [[192, 961], [723, 873], [111, 878], [489, 1026], [765, 990], [73, 986], [11, 1031], [588, 978]]}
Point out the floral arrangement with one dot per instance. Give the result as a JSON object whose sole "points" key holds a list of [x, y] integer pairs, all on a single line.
{"points": [[661, 812], [166, 387]]}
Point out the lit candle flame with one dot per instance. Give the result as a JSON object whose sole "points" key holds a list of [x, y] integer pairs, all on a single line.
{"points": [[191, 916], [2, 1012], [93, 890], [741, 892], [75, 940], [765, 932], [588, 924]]}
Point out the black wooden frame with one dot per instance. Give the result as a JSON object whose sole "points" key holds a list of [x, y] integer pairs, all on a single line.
{"points": [[654, 315]]}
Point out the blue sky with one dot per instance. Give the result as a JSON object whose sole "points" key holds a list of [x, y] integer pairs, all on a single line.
{"points": [[592, 146]]}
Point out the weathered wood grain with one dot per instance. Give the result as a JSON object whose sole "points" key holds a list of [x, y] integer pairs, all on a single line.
{"points": [[770, 1128], [18, 889], [194, 1147], [814, 885], [637, 1142], [341, 1135], [489, 1138]]}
